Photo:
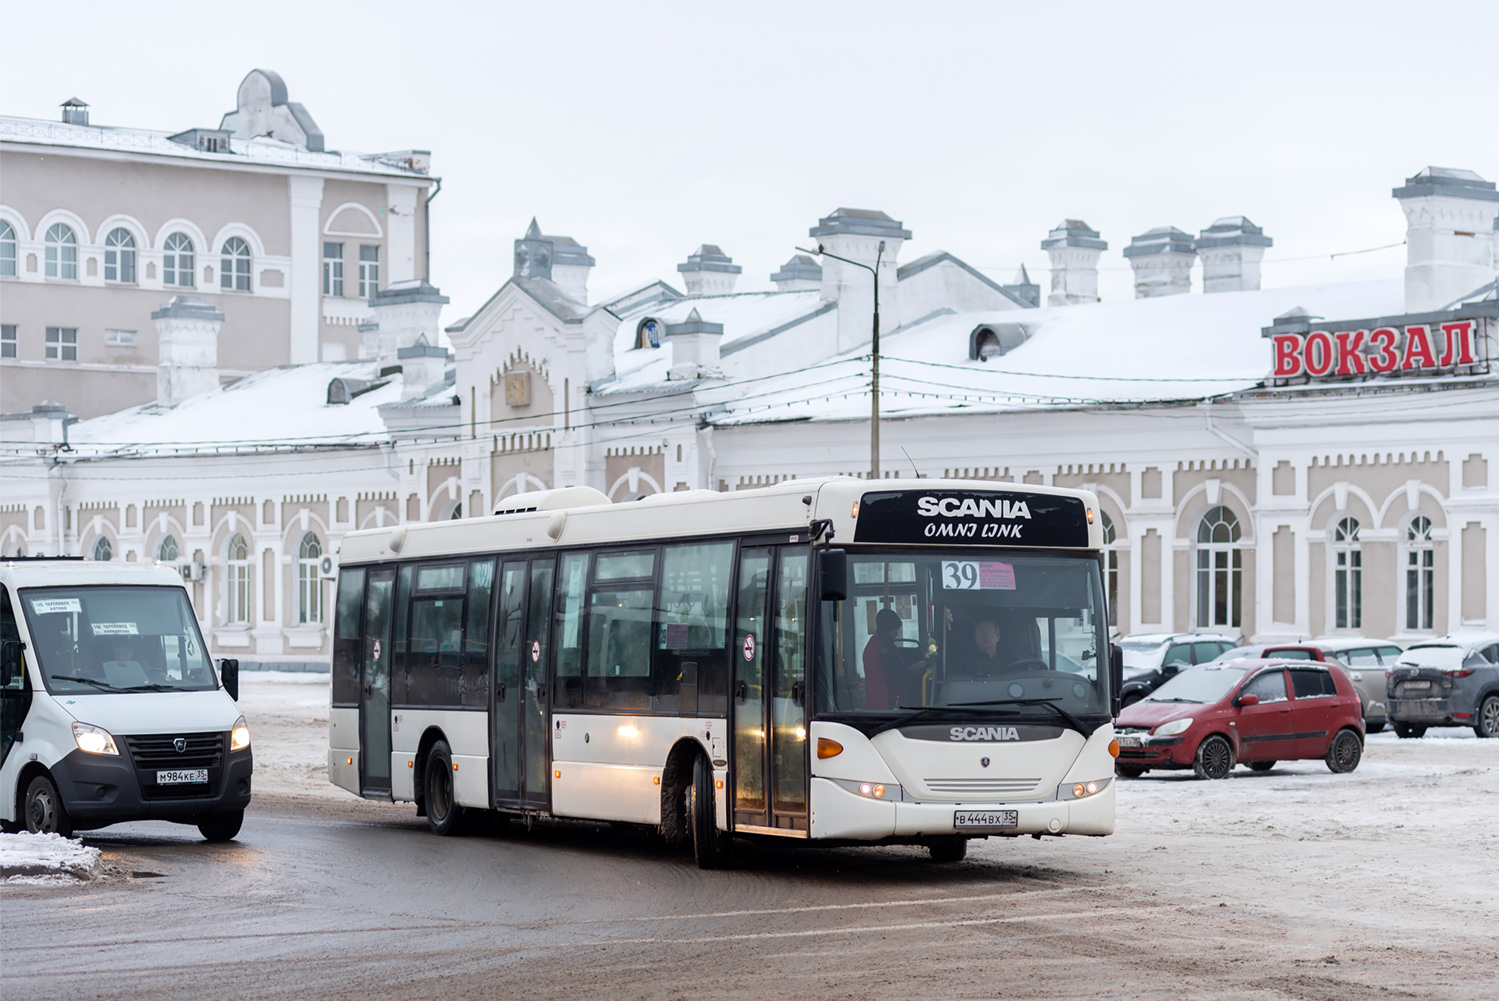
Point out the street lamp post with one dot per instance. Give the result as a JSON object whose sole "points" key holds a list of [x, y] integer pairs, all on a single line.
{"points": [[874, 370]]}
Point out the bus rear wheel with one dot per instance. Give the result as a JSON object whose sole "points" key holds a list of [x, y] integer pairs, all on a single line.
{"points": [[444, 815], [710, 846]]}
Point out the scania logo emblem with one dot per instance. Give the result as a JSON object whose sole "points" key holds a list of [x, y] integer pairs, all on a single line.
{"points": [[984, 762], [180, 743]]}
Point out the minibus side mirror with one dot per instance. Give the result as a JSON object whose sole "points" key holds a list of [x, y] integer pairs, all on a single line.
{"points": [[11, 663], [833, 574], [1116, 675], [229, 674]]}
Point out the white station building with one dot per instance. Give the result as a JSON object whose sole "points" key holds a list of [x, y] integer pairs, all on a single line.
{"points": [[1276, 463]]}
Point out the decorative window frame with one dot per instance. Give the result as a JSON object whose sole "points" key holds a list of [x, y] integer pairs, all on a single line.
{"points": [[1350, 548]]}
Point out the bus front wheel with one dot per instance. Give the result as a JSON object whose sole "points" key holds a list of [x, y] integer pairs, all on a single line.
{"points": [[948, 849], [444, 815], [710, 846]]}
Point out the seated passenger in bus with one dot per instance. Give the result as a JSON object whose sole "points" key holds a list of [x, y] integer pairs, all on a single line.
{"points": [[888, 680]]}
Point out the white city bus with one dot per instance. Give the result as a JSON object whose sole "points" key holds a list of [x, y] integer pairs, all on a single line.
{"points": [[912, 661]]}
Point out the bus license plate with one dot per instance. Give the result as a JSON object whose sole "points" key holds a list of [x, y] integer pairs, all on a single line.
{"points": [[994, 820], [180, 776]]}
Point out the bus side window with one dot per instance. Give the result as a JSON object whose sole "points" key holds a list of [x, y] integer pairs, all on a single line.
{"points": [[346, 638], [400, 664], [572, 580], [691, 629], [476, 634]]}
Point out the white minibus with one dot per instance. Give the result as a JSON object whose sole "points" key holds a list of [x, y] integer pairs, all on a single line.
{"points": [[835, 661], [110, 707]]}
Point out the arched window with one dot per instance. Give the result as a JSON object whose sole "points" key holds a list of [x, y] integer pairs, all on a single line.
{"points": [[234, 268], [309, 582], [7, 249], [1220, 569], [61, 252], [1110, 566], [119, 256], [103, 551], [237, 605], [1420, 574], [1347, 576], [167, 551], [177, 261]]}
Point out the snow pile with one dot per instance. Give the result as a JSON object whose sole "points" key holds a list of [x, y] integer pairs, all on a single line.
{"points": [[47, 858]]}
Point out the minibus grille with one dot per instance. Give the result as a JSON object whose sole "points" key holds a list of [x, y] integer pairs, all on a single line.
{"points": [[969, 788], [158, 752]]}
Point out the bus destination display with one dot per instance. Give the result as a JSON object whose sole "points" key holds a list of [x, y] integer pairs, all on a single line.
{"points": [[977, 518]]}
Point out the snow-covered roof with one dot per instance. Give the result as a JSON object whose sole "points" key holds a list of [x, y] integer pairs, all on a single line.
{"points": [[151, 143], [281, 408], [1169, 348]]}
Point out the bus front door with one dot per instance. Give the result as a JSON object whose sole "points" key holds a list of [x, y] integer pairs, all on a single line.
{"points": [[769, 769], [518, 714], [374, 713]]}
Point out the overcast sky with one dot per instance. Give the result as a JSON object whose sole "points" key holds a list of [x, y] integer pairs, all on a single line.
{"points": [[643, 130]]}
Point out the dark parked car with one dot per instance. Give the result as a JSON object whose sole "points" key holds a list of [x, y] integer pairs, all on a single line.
{"points": [[1249, 712], [1452, 681], [1152, 658]]}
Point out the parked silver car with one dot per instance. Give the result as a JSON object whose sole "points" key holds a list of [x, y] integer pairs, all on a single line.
{"points": [[1368, 662], [1450, 681]]}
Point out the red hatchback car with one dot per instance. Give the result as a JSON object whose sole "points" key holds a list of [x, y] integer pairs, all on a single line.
{"points": [[1252, 712]]}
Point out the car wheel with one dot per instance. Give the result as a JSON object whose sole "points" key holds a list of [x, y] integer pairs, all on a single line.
{"points": [[710, 846], [1128, 771], [1488, 718], [1373, 727], [1214, 758], [1345, 751], [948, 849], [223, 826], [43, 809], [1260, 766], [444, 815], [1409, 731]]}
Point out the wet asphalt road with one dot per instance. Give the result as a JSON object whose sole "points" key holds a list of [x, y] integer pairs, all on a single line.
{"points": [[358, 900]]}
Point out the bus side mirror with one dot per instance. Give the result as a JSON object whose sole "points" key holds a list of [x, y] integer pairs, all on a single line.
{"points": [[833, 573], [229, 674], [11, 663], [1116, 675]]}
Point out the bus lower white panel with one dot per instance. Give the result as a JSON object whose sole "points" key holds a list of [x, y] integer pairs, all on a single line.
{"points": [[937, 818], [1093, 814], [471, 780], [403, 777], [858, 761], [466, 731], [633, 740], [343, 744], [606, 792], [838, 813]]}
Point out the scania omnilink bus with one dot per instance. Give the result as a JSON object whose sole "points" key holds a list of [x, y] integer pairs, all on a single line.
{"points": [[907, 661]]}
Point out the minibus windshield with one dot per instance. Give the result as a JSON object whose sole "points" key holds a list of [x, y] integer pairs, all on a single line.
{"points": [[115, 638], [989, 633]]}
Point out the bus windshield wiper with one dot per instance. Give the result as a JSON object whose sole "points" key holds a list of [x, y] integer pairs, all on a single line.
{"points": [[1077, 724], [103, 686]]}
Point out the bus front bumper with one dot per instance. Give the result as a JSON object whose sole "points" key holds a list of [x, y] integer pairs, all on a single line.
{"points": [[839, 813]]}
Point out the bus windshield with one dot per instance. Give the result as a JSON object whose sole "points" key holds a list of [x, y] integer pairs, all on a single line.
{"points": [[115, 638], [965, 630]]}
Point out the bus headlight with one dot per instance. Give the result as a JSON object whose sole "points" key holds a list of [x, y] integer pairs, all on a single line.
{"points": [[93, 739], [1173, 728], [239, 737]]}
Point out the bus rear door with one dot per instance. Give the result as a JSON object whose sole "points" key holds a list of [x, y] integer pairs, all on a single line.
{"points": [[518, 713]]}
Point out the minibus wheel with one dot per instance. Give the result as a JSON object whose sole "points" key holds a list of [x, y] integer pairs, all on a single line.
{"points": [[444, 815], [222, 826], [43, 809], [710, 846]]}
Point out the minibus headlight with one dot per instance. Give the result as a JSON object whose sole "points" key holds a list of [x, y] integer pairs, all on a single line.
{"points": [[93, 739], [1173, 728], [239, 737]]}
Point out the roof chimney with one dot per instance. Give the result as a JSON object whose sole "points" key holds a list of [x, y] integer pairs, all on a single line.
{"points": [[1162, 259], [1074, 249], [694, 348], [1231, 250], [798, 274], [1449, 236], [422, 368], [75, 111], [187, 349], [860, 235], [709, 271], [404, 313]]}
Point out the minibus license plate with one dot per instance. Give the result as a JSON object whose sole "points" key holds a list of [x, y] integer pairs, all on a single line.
{"points": [[179, 776], [964, 820]]}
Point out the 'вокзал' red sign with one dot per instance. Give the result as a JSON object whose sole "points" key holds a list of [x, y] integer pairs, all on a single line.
{"points": [[1423, 348]]}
